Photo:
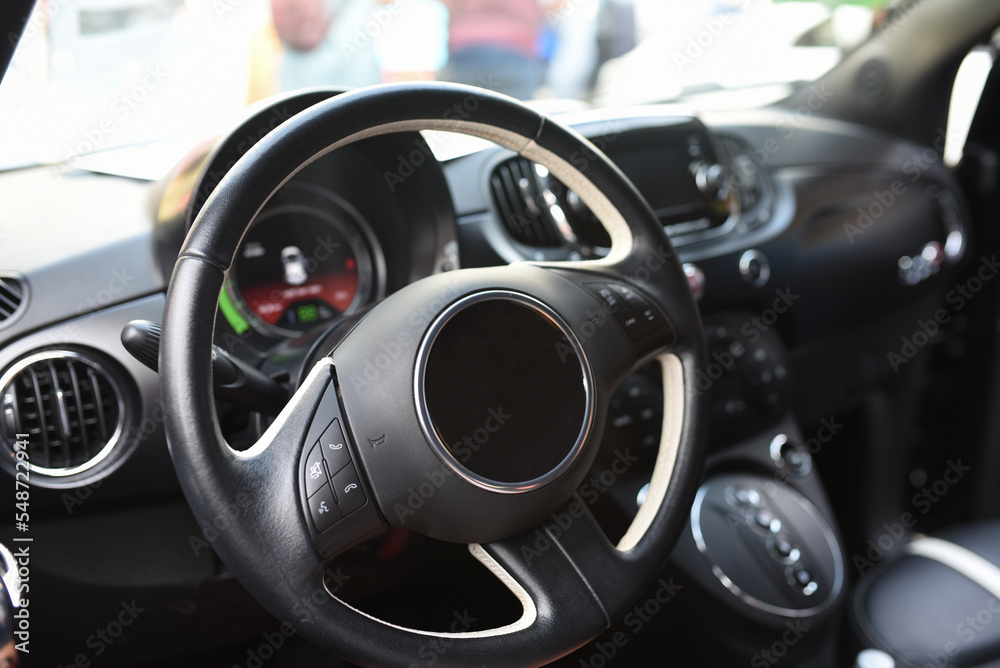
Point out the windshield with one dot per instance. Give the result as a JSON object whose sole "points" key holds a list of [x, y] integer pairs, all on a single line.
{"points": [[91, 75]]}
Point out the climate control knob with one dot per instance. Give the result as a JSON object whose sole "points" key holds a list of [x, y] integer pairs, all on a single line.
{"points": [[712, 180]]}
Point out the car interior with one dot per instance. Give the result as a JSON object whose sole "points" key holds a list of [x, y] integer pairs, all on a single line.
{"points": [[420, 374]]}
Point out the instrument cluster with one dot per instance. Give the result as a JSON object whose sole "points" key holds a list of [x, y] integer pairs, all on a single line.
{"points": [[308, 259]]}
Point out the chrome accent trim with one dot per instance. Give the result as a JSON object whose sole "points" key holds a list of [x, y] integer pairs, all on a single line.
{"points": [[113, 440], [11, 580], [427, 424], [951, 215], [529, 612], [774, 449], [980, 570], [954, 244], [753, 601], [765, 268], [874, 658]]}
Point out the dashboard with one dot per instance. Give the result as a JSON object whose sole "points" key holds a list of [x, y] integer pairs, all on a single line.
{"points": [[361, 222], [806, 279]]}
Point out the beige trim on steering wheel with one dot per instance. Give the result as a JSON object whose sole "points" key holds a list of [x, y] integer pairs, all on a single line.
{"points": [[670, 441]]}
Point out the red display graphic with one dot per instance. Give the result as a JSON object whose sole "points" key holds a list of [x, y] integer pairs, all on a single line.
{"points": [[270, 300]]}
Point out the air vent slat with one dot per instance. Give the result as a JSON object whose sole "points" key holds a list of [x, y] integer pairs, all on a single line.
{"points": [[99, 403], [8, 304], [518, 223], [61, 413], [11, 291], [517, 195], [85, 441], [43, 425], [531, 224], [506, 213], [69, 404], [12, 296], [11, 288]]}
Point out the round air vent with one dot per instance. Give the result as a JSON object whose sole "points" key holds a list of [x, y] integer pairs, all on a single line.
{"points": [[65, 407], [13, 297]]}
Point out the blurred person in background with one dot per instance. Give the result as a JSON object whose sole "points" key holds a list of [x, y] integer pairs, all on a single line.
{"points": [[498, 44], [574, 60], [617, 33], [326, 42], [348, 43]]}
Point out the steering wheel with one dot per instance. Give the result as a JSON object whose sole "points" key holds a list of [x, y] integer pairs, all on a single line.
{"points": [[467, 406]]}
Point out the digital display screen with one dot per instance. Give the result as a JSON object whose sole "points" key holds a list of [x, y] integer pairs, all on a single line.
{"points": [[296, 269], [662, 164], [661, 174]]}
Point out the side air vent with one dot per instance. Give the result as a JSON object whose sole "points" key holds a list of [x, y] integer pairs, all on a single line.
{"points": [[521, 204], [13, 294], [64, 408]]}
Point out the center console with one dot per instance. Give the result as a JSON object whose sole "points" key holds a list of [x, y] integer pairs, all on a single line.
{"points": [[763, 553], [761, 559], [761, 546], [767, 544]]}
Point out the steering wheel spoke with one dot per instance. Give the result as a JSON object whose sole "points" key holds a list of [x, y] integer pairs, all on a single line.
{"points": [[309, 438], [566, 556], [548, 574]]}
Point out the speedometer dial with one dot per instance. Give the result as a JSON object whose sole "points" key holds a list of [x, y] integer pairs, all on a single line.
{"points": [[301, 266]]}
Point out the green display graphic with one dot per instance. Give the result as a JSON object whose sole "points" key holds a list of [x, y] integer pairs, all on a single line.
{"points": [[307, 313], [232, 316]]}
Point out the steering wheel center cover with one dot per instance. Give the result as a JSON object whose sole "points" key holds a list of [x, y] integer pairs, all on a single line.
{"points": [[267, 546], [489, 359]]}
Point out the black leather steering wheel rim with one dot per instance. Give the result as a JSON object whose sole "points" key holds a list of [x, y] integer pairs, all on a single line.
{"points": [[250, 500]]}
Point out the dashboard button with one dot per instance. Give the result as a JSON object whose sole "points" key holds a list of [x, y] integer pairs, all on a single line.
{"points": [[334, 447], [790, 455], [627, 293], [782, 546], [323, 509], [349, 491], [696, 280], [611, 300], [746, 497], [647, 319], [630, 308], [315, 472], [766, 520], [629, 321], [329, 408]]}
